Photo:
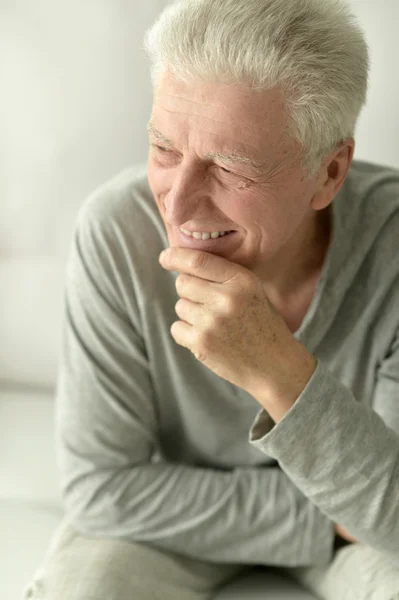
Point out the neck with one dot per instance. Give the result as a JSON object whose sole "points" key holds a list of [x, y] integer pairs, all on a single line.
{"points": [[301, 259]]}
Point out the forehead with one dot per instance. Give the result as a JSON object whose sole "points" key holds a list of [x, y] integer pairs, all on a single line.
{"points": [[253, 119]]}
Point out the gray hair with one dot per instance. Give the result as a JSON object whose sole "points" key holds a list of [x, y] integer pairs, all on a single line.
{"points": [[314, 49]]}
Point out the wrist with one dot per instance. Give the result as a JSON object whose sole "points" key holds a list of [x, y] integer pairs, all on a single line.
{"points": [[279, 391]]}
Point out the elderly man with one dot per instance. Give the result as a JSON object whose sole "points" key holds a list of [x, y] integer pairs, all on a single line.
{"points": [[234, 401]]}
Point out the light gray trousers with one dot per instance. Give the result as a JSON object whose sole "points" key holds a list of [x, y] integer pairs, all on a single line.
{"points": [[77, 567]]}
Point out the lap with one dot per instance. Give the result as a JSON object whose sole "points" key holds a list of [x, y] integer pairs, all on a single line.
{"points": [[357, 572], [79, 567]]}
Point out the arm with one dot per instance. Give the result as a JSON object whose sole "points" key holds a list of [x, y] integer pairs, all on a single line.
{"points": [[349, 464], [106, 434]]}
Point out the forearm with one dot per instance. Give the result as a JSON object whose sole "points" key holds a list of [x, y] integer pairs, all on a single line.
{"points": [[248, 516], [342, 456]]}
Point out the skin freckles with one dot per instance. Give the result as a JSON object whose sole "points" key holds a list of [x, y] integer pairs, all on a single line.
{"points": [[280, 216]]}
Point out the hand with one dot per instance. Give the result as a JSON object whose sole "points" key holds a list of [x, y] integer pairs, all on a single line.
{"points": [[344, 534], [229, 324]]}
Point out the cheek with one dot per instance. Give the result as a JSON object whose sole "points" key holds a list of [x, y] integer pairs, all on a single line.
{"points": [[252, 211], [269, 219]]}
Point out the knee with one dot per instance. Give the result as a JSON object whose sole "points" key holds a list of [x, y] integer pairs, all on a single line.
{"points": [[356, 571], [80, 568], [375, 574]]}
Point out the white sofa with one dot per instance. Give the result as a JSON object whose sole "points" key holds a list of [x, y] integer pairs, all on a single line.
{"points": [[75, 99]]}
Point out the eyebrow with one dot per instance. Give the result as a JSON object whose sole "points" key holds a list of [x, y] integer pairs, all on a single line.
{"points": [[231, 156]]}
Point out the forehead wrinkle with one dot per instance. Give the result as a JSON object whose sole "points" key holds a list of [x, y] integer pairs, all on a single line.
{"points": [[192, 100], [231, 156]]}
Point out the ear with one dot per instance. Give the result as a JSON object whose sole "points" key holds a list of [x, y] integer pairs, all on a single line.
{"points": [[333, 174]]}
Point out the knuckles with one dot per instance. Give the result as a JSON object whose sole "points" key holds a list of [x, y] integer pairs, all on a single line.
{"points": [[198, 261], [228, 304]]}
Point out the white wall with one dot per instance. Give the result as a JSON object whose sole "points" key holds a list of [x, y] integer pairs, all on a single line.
{"points": [[75, 98], [377, 137]]}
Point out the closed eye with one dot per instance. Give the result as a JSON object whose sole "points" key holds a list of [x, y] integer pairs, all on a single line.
{"points": [[164, 150]]}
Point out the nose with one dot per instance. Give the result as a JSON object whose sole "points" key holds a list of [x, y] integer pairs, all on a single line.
{"points": [[187, 196]]}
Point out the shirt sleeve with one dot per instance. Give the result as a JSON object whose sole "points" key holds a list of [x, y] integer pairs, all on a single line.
{"points": [[342, 454], [107, 434]]}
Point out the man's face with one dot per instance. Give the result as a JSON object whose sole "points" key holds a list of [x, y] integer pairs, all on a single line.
{"points": [[264, 207]]}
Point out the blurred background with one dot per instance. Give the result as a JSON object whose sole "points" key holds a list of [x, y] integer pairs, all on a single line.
{"points": [[75, 96]]}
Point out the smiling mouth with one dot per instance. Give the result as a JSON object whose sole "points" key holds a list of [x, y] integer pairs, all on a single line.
{"points": [[205, 236], [210, 242]]}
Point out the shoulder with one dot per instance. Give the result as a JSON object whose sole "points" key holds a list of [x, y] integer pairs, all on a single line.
{"points": [[122, 199], [119, 232], [370, 217], [123, 212], [371, 194], [363, 262], [117, 238], [367, 210]]}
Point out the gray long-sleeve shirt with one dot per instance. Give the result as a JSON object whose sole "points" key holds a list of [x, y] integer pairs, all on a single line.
{"points": [[154, 447]]}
